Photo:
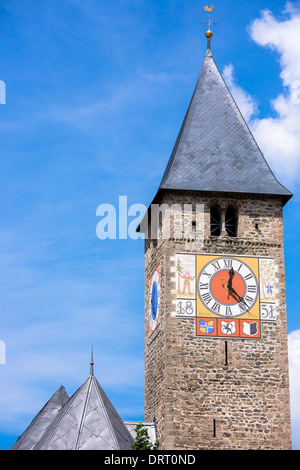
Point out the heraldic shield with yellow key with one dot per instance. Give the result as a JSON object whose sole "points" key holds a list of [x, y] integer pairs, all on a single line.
{"points": [[228, 296]]}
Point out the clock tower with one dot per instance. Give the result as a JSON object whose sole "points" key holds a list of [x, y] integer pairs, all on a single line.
{"points": [[216, 355]]}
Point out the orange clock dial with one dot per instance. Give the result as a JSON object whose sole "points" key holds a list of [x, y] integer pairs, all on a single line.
{"points": [[227, 287], [221, 292]]}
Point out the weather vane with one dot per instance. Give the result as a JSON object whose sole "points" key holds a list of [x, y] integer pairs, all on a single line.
{"points": [[208, 33]]}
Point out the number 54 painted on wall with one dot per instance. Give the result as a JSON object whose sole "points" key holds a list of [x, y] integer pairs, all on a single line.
{"points": [[268, 312]]}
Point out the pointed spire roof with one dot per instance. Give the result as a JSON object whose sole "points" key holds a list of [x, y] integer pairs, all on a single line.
{"points": [[86, 421], [42, 421], [215, 149]]}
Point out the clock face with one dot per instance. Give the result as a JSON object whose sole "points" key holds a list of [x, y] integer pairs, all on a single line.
{"points": [[227, 287], [154, 301]]}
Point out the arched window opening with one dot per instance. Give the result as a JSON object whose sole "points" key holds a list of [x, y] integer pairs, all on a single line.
{"points": [[231, 222], [215, 221]]}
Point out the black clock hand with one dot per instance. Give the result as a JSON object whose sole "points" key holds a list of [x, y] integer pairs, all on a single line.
{"points": [[231, 274], [230, 288], [238, 296]]}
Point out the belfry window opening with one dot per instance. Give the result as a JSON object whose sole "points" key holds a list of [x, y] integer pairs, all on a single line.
{"points": [[215, 221], [223, 222], [231, 222]]}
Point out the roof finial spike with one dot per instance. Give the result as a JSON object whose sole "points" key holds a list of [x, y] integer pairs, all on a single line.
{"points": [[209, 33], [92, 363]]}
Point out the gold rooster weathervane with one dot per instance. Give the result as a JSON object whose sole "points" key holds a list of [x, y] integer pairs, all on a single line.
{"points": [[209, 33]]}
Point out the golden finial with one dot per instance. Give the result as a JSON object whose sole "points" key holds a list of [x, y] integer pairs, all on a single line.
{"points": [[209, 33]]}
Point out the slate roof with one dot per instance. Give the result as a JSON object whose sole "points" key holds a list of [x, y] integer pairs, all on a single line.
{"points": [[37, 428], [86, 421], [215, 150]]}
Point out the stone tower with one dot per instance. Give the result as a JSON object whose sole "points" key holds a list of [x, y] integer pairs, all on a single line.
{"points": [[216, 356]]}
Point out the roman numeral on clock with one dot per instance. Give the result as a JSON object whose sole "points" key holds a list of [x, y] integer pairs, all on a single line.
{"points": [[203, 286], [228, 311], [242, 308], [252, 289], [216, 307], [216, 265], [227, 263], [207, 298], [207, 274]]}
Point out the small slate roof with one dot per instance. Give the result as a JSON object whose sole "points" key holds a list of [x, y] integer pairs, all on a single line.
{"points": [[37, 428], [215, 150], [86, 421]]}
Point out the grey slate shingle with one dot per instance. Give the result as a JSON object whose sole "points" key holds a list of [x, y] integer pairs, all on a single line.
{"points": [[215, 150]]}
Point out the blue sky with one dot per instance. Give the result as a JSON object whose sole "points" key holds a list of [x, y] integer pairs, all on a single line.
{"points": [[96, 91]]}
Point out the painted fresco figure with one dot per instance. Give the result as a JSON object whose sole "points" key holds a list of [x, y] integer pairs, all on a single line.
{"points": [[187, 281]]}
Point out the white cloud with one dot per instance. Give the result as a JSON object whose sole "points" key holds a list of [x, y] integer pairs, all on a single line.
{"points": [[279, 136], [283, 37], [245, 101], [294, 366]]}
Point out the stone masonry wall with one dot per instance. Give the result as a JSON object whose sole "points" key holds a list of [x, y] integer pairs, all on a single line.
{"points": [[198, 401]]}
